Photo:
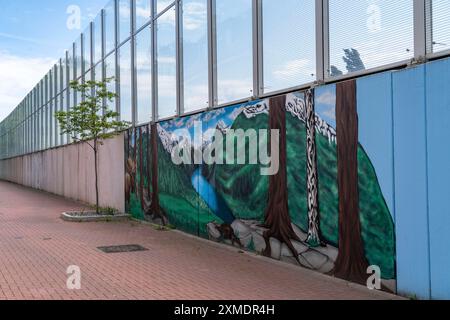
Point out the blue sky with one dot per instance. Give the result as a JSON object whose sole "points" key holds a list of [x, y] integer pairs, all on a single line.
{"points": [[33, 35]]}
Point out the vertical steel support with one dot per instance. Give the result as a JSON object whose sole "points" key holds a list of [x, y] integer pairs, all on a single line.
{"points": [[322, 41], [155, 114], [179, 56], [258, 63], [420, 41], [212, 53], [133, 64]]}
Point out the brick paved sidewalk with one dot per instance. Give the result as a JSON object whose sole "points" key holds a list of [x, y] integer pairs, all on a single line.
{"points": [[36, 247]]}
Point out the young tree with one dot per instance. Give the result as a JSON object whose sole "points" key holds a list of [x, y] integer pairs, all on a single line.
{"points": [[90, 121]]}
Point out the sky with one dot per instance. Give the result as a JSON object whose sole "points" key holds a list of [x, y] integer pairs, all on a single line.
{"points": [[33, 35]]}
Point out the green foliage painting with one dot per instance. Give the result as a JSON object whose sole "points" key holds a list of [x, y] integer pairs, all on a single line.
{"points": [[228, 202]]}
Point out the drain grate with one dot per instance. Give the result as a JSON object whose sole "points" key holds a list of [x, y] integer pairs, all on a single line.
{"points": [[123, 248]]}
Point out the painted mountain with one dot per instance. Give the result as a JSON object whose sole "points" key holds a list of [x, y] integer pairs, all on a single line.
{"points": [[228, 203]]}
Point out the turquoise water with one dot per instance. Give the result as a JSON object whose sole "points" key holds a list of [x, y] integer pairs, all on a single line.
{"points": [[214, 201]]}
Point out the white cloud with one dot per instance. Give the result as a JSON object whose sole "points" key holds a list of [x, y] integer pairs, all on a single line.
{"points": [[194, 15], [294, 68], [143, 9], [17, 77], [327, 98]]}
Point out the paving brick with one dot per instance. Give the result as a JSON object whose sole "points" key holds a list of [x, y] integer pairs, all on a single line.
{"points": [[36, 247]]}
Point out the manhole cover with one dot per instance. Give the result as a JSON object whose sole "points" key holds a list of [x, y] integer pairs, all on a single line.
{"points": [[123, 248]]}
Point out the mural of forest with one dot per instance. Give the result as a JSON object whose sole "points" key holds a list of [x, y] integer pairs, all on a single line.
{"points": [[324, 210]]}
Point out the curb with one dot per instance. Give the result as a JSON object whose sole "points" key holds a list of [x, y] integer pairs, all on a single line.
{"points": [[65, 216]]}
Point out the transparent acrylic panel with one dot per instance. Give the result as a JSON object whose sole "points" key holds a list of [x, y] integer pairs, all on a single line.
{"points": [[161, 5], [124, 20], [144, 76], [99, 78], [87, 49], [369, 34], [78, 60], [234, 50], [289, 44], [56, 80], [63, 74], [63, 107], [110, 27], [110, 72], [70, 65], [125, 82], [166, 57], [440, 19], [98, 38], [143, 12], [195, 51]]}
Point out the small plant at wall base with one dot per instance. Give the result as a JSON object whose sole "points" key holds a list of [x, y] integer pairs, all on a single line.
{"points": [[90, 121]]}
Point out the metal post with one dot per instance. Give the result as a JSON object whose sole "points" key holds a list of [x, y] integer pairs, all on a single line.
{"points": [[258, 65], [212, 53], [429, 26], [133, 65], [322, 40], [179, 56], [155, 115], [419, 31]]}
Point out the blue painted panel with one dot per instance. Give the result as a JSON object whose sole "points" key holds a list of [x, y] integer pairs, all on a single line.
{"points": [[374, 98], [438, 125], [410, 162]]}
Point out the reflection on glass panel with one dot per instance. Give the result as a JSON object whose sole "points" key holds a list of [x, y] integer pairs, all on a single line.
{"points": [[162, 4], [63, 107], [99, 78], [110, 72], [144, 76], [125, 82], [56, 81], [98, 38], [50, 120], [63, 79], [110, 29], [166, 56], [124, 20], [369, 34], [289, 60], [87, 49], [143, 12], [234, 50], [78, 57], [440, 13], [55, 109], [195, 51], [70, 64]]}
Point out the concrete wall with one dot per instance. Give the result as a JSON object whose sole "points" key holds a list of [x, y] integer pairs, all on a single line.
{"points": [[68, 171]]}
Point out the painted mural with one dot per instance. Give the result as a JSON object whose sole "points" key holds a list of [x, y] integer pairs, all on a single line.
{"points": [[323, 209]]}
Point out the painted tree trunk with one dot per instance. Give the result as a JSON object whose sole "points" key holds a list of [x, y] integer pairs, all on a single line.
{"points": [[314, 238], [141, 170], [351, 263], [149, 156], [155, 208], [277, 218]]}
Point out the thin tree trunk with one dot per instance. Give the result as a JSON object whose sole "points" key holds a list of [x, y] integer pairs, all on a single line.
{"points": [[277, 218], [314, 236], [97, 207], [351, 263]]}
